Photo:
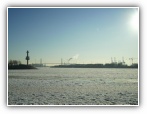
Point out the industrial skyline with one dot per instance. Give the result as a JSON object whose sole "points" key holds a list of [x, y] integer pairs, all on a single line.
{"points": [[75, 35]]}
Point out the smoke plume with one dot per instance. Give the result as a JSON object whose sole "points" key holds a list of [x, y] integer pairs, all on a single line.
{"points": [[74, 57]]}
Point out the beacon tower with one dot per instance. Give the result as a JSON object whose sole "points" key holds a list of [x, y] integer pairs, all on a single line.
{"points": [[27, 57]]}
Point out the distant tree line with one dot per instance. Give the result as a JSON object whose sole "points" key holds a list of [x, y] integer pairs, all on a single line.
{"points": [[14, 62]]}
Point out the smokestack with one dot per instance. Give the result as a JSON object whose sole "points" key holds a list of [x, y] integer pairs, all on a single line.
{"points": [[61, 61], [40, 61]]}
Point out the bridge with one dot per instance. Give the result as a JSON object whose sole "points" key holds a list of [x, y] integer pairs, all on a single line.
{"points": [[46, 64], [51, 64]]}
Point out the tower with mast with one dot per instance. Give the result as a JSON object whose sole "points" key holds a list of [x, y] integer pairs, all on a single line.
{"points": [[27, 57]]}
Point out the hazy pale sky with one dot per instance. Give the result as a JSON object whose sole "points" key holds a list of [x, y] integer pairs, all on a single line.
{"points": [[88, 35]]}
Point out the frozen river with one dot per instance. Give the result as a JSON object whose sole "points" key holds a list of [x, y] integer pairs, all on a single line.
{"points": [[73, 86]]}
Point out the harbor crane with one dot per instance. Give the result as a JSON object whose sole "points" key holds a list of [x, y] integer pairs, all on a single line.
{"points": [[131, 59]]}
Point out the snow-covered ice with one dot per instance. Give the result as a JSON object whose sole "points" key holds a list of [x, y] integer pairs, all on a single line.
{"points": [[73, 87]]}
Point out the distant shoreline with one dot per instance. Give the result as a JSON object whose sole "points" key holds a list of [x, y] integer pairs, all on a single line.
{"points": [[22, 66], [95, 66]]}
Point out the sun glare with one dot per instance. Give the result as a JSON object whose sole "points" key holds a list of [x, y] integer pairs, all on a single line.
{"points": [[135, 21]]}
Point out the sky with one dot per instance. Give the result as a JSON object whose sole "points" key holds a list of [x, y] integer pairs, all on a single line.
{"points": [[75, 35]]}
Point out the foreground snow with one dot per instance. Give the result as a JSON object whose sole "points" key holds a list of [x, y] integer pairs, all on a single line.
{"points": [[73, 90]]}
